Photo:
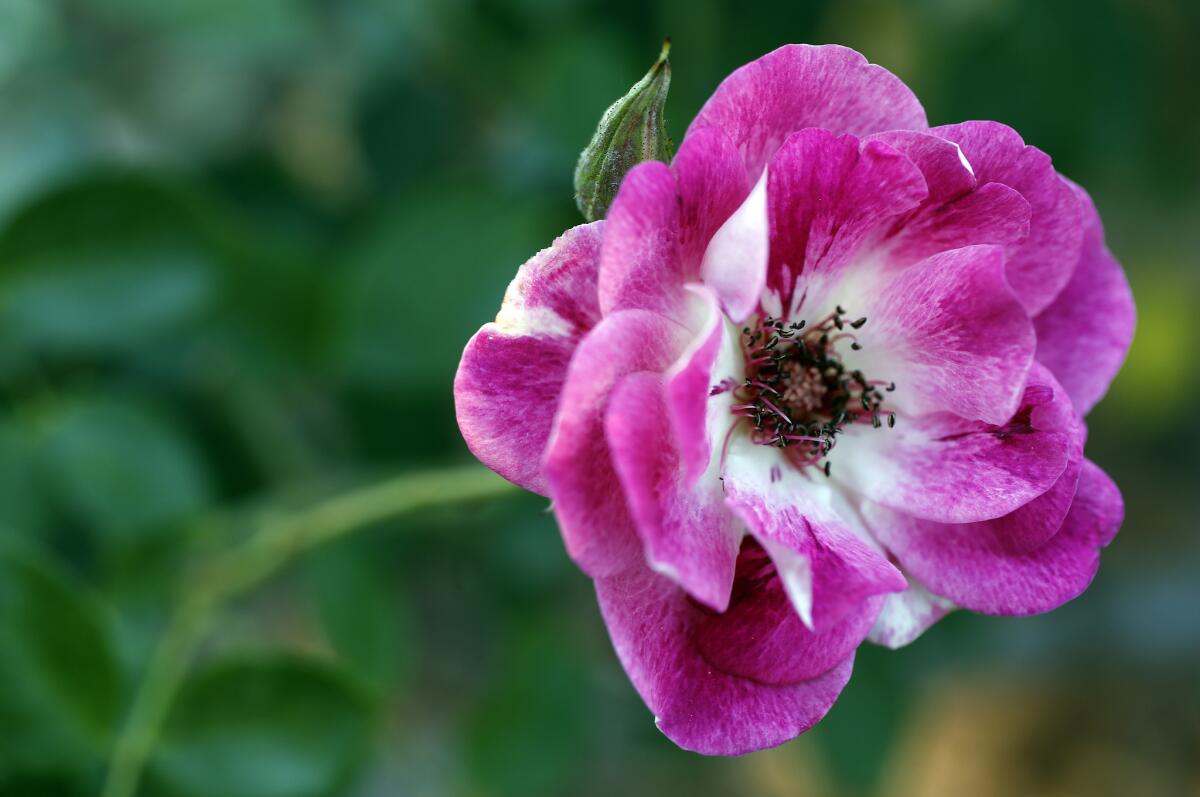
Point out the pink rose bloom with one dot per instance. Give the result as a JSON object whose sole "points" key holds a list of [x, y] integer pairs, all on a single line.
{"points": [[820, 380]]}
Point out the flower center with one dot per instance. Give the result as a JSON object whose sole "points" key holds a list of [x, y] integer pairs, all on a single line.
{"points": [[798, 395]]}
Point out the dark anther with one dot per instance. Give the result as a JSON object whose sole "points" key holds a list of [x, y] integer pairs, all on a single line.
{"points": [[858, 324]]}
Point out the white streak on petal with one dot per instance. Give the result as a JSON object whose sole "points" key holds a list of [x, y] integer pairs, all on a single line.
{"points": [[735, 262]]}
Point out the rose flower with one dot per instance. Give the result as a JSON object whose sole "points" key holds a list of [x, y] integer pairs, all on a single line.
{"points": [[820, 380]]}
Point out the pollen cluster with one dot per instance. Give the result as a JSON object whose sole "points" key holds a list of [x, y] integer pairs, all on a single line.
{"points": [[798, 394]]}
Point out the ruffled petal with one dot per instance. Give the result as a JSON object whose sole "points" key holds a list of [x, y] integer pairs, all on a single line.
{"points": [[968, 565], [800, 86], [950, 470], [588, 500], [511, 373], [1084, 335], [1041, 265], [697, 705], [689, 534]]}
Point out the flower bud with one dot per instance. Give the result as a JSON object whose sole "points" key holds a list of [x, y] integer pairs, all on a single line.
{"points": [[632, 130]]}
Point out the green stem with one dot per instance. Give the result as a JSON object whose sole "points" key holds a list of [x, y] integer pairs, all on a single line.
{"points": [[269, 548]]}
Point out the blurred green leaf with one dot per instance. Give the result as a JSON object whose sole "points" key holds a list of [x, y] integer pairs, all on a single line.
{"points": [[276, 727], [62, 689], [123, 468], [530, 735], [103, 265], [363, 614], [22, 506], [97, 300]]}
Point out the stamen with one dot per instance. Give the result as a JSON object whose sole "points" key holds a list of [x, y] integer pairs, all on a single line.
{"points": [[797, 394]]}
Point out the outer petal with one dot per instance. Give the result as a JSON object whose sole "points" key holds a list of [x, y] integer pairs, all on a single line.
{"points": [[587, 495], [949, 333], [1084, 335], [689, 534], [966, 564], [1039, 267], [946, 469], [800, 86], [697, 705], [511, 373], [829, 197]]}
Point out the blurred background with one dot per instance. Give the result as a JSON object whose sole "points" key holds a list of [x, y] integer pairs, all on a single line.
{"points": [[241, 247]]}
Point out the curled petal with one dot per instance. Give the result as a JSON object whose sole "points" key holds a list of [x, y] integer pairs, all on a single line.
{"points": [[762, 637], [512, 371], [689, 534], [947, 172], [949, 470], [698, 406], [588, 499], [968, 565]]}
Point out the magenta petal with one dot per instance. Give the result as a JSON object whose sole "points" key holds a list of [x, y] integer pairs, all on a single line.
{"points": [[800, 86], [762, 637], [951, 336], [1084, 335], [712, 185], [966, 563], [641, 267], [950, 470], [511, 373], [991, 214], [828, 570], [699, 417], [1039, 267], [698, 706], [828, 196], [1033, 524], [587, 495], [946, 171], [689, 534]]}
